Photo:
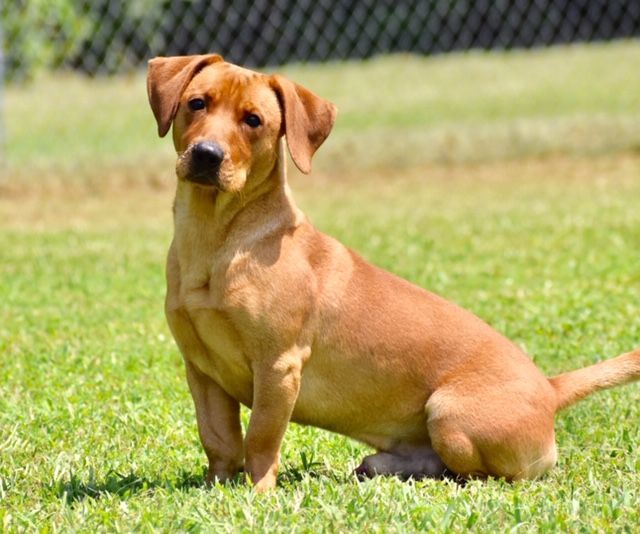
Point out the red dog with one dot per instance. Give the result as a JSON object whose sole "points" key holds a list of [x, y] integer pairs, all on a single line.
{"points": [[271, 313]]}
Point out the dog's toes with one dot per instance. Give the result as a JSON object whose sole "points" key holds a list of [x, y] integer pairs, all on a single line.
{"points": [[362, 472]]}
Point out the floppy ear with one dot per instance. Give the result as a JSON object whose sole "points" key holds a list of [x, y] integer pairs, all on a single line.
{"points": [[307, 120], [167, 78]]}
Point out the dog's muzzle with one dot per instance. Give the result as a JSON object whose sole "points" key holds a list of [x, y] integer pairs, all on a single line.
{"points": [[206, 158]]}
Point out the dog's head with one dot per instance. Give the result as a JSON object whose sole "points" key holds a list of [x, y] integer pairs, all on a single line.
{"points": [[227, 120]]}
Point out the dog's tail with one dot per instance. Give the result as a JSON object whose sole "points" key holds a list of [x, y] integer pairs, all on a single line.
{"points": [[575, 385]]}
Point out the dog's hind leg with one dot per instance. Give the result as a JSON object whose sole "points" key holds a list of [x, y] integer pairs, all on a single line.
{"points": [[410, 462], [492, 432]]}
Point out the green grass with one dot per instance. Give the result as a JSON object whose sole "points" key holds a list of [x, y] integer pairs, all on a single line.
{"points": [[98, 427], [397, 110], [97, 430]]}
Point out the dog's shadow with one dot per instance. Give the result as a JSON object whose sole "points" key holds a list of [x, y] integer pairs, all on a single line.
{"points": [[76, 488]]}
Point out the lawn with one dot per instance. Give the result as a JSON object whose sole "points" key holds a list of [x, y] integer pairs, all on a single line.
{"points": [[396, 110], [522, 206]]}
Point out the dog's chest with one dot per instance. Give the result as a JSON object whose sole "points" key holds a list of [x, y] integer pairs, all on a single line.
{"points": [[203, 318], [222, 357]]}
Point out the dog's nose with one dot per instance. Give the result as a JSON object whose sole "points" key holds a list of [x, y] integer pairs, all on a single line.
{"points": [[207, 156]]}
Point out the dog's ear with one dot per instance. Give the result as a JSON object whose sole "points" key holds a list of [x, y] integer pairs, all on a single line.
{"points": [[307, 120], [167, 78]]}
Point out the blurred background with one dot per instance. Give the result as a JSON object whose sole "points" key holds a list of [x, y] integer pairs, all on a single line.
{"points": [[107, 36], [416, 81]]}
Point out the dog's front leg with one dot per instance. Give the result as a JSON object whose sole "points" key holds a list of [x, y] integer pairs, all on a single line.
{"points": [[276, 384], [218, 417]]}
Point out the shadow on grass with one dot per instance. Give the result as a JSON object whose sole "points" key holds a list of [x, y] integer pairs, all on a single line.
{"points": [[76, 488], [292, 473]]}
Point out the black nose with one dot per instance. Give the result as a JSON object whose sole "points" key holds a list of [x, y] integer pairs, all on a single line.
{"points": [[207, 157]]}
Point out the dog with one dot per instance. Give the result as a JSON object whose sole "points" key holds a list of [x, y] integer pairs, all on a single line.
{"points": [[270, 313]]}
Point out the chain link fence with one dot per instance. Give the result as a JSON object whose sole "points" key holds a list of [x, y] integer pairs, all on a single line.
{"points": [[110, 36]]}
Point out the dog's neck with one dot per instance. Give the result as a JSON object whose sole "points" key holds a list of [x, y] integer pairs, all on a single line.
{"points": [[210, 218]]}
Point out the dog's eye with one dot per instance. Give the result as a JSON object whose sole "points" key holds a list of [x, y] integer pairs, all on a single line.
{"points": [[252, 120], [196, 104]]}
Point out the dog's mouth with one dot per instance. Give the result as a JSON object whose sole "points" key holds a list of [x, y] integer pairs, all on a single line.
{"points": [[209, 167], [210, 179], [201, 164]]}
